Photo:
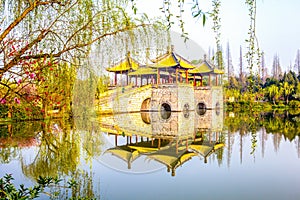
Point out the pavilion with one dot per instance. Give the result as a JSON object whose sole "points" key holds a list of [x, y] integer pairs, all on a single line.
{"points": [[205, 69], [125, 66], [161, 70], [173, 64]]}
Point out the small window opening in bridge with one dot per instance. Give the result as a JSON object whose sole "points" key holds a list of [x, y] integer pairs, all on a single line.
{"points": [[165, 111], [201, 108], [186, 109], [218, 108]]}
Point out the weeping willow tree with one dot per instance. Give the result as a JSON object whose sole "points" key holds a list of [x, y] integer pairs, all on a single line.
{"points": [[254, 54], [58, 31]]}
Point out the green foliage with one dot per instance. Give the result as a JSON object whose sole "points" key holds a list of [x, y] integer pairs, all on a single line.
{"points": [[58, 155], [3, 111], [275, 91], [102, 85], [215, 15], [56, 91], [9, 191], [294, 104], [38, 56]]}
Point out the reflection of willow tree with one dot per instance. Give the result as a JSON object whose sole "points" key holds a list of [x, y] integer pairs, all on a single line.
{"points": [[83, 189], [84, 114], [91, 138], [8, 153], [244, 125], [58, 153], [15, 136]]}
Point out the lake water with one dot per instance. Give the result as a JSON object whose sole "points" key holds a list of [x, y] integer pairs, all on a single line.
{"points": [[192, 155]]}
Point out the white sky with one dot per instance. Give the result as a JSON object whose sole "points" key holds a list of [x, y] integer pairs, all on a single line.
{"points": [[278, 27]]}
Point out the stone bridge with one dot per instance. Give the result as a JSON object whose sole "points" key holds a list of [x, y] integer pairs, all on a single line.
{"points": [[164, 97]]}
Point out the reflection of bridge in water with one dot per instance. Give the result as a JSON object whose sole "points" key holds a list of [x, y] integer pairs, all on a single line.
{"points": [[170, 138]]}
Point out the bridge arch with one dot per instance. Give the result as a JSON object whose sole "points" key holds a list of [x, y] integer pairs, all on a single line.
{"points": [[146, 105]]}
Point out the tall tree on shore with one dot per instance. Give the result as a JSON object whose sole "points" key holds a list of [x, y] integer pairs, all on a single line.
{"points": [[242, 76], [287, 90], [276, 68], [230, 70], [297, 62], [241, 63], [263, 68]]}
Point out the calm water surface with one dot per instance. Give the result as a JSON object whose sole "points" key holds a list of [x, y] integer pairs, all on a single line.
{"points": [[207, 155]]}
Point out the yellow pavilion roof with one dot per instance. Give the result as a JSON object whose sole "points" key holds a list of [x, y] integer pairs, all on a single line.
{"points": [[144, 150], [206, 148], [172, 160], [202, 149], [165, 61], [172, 60], [124, 153], [125, 65], [205, 68], [218, 71], [184, 63]]}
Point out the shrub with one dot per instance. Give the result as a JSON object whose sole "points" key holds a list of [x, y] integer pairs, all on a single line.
{"points": [[294, 104]]}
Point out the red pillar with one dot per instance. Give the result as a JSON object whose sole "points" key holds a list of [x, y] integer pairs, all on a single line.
{"points": [[201, 80], [186, 76], [176, 74], [116, 78], [127, 79], [158, 77], [136, 80], [181, 77]]}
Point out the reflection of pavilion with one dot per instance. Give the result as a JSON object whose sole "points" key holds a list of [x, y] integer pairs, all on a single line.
{"points": [[171, 141]]}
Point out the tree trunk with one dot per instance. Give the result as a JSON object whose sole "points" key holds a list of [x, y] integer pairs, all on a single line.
{"points": [[9, 114]]}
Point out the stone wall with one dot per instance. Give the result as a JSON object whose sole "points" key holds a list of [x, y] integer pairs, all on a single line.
{"points": [[203, 95], [181, 97], [212, 97], [217, 96], [164, 94], [130, 100], [132, 124], [211, 120], [186, 98], [177, 125]]}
